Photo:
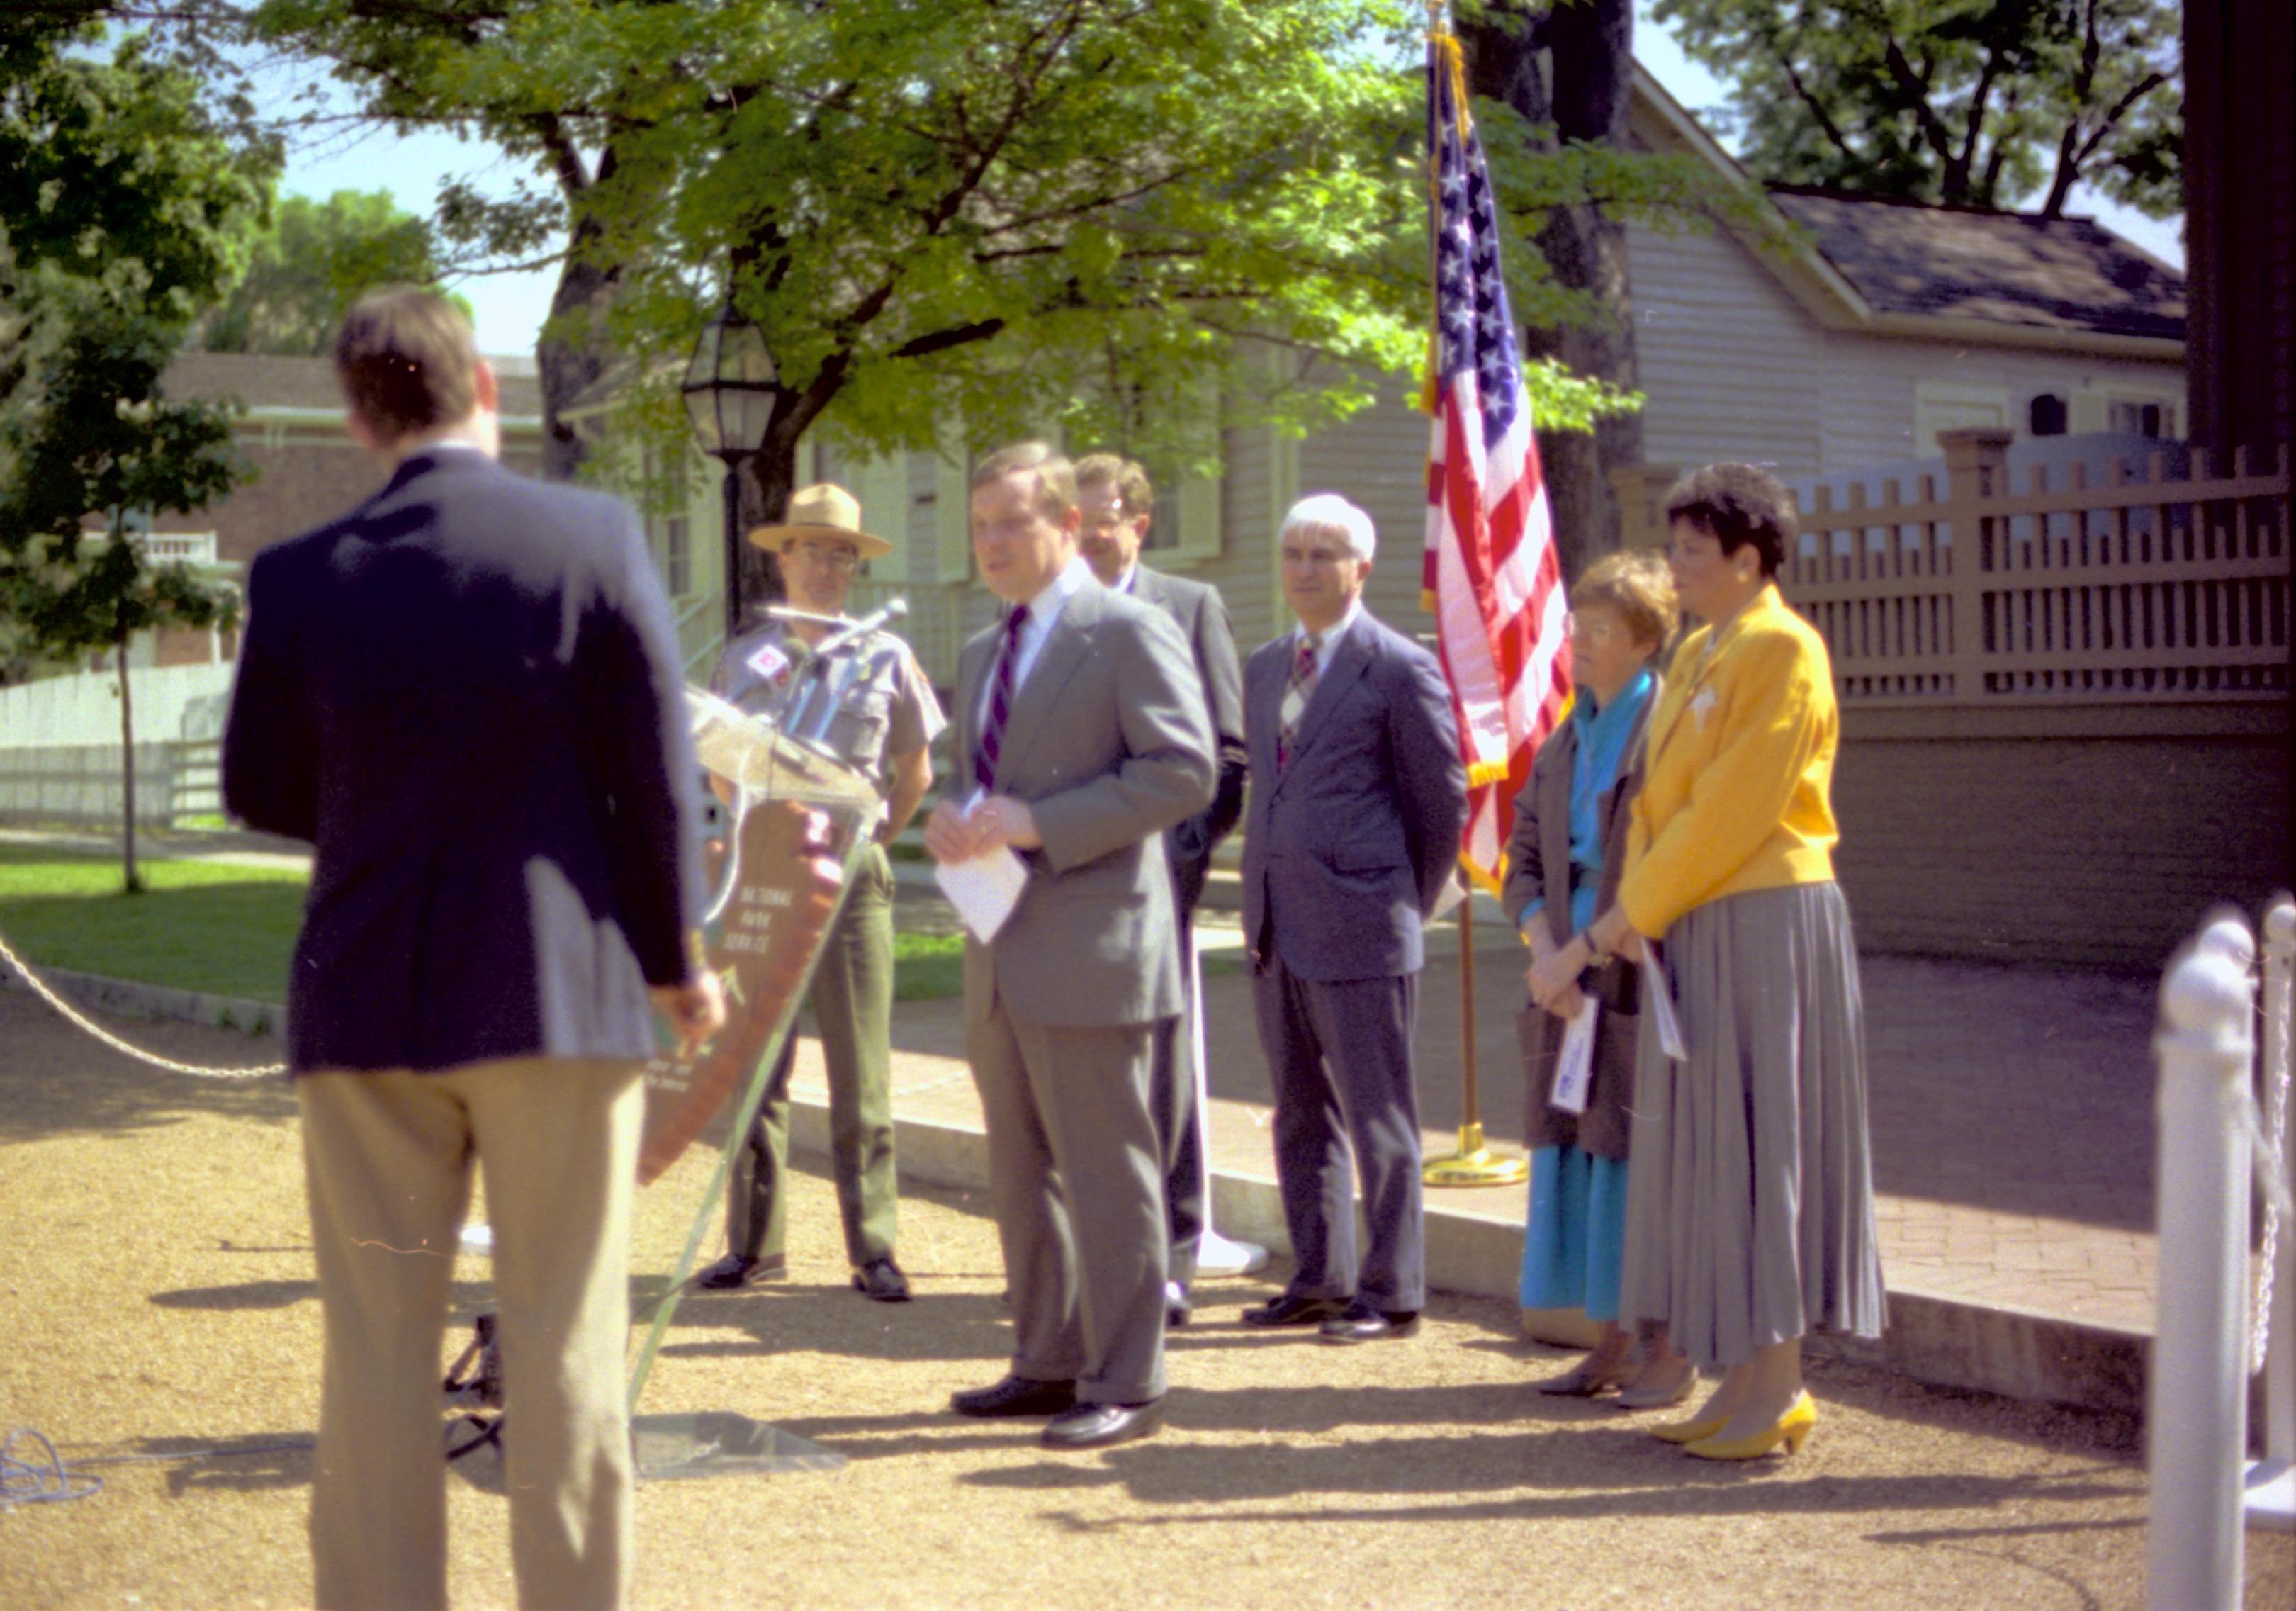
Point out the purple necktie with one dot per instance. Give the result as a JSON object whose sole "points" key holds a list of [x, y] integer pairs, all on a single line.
{"points": [[1296, 687], [1000, 702]]}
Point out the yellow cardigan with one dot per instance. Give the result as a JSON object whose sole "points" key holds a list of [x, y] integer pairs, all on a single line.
{"points": [[1735, 793]]}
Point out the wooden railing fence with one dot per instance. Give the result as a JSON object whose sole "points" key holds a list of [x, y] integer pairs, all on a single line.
{"points": [[2152, 587]]}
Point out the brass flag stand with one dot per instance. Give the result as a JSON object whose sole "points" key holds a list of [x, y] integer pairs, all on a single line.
{"points": [[1473, 1164]]}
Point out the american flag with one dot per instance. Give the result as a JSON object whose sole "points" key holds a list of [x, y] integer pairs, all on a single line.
{"points": [[1490, 574]]}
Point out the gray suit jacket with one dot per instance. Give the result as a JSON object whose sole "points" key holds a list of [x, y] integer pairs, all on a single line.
{"points": [[1108, 745], [1346, 849], [1202, 619]]}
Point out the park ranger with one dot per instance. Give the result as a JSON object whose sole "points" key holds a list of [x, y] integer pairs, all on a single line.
{"points": [[884, 723]]}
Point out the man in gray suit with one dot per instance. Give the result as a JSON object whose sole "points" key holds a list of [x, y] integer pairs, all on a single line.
{"points": [[1080, 721], [1357, 799], [1118, 504]]}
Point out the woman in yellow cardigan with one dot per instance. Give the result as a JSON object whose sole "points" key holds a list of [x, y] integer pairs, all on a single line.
{"points": [[1750, 1207]]}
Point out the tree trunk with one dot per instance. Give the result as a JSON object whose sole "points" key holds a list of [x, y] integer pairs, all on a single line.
{"points": [[1574, 69], [132, 883], [569, 369], [764, 482]]}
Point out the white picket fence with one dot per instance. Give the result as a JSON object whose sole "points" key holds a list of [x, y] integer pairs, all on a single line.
{"points": [[2217, 1326]]}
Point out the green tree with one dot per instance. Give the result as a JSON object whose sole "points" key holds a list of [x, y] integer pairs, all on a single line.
{"points": [[316, 261], [125, 209], [1971, 103], [1004, 214]]}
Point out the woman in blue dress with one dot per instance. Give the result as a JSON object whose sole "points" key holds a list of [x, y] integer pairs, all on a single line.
{"points": [[1563, 860]]}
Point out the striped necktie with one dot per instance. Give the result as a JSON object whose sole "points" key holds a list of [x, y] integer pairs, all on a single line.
{"points": [[1000, 702], [1296, 690]]}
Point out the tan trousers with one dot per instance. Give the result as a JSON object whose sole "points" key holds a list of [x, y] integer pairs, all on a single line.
{"points": [[387, 1158]]}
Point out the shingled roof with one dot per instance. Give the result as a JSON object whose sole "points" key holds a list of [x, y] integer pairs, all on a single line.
{"points": [[2066, 274]]}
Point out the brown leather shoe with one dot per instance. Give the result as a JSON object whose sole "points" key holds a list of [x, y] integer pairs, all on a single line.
{"points": [[881, 1279], [1361, 1323], [1016, 1395], [1098, 1425], [1289, 1310], [734, 1271]]}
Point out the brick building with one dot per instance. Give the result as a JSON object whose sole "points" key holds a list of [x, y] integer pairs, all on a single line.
{"points": [[306, 468]]}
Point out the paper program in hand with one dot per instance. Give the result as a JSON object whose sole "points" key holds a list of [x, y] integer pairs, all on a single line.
{"points": [[984, 889]]}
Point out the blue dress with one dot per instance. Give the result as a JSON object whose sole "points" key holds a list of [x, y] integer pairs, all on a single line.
{"points": [[1575, 1237]]}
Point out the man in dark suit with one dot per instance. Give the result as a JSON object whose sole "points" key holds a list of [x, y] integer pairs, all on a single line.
{"points": [[1357, 799], [1118, 504], [465, 693], [1081, 727]]}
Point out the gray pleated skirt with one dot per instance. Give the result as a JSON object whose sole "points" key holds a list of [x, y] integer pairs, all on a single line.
{"points": [[1749, 1208]]}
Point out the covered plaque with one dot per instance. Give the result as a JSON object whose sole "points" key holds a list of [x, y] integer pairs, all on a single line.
{"points": [[778, 874]]}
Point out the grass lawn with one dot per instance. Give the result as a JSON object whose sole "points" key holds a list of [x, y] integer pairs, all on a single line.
{"points": [[200, 925], [229, 930]]}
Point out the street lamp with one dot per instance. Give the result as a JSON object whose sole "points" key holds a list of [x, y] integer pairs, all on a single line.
{"points": [[729, 392]]}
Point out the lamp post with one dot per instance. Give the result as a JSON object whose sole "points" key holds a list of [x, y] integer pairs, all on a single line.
{"points": [[729, 392]]}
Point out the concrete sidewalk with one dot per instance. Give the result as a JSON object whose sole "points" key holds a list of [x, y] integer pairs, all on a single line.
{"points": [[2012, 1122]]}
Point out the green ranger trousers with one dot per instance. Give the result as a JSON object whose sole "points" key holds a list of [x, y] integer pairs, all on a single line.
{"points": [[852, 1003]]}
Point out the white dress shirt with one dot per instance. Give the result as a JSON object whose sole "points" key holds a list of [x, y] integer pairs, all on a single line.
{"points": [[1044, 610], [1329, 643]]}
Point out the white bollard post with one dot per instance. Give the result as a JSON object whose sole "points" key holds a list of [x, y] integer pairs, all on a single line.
{"points": [[2196, 1393], [2271, 1482]]}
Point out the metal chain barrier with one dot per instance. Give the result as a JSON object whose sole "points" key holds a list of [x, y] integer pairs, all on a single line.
{"points": [[73, 1016]]}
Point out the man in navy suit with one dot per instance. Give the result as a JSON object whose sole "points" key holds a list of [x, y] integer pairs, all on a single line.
{"points": [[1352, 831], [465, 693]]}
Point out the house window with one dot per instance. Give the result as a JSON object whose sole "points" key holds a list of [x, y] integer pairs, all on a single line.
{"points": [[2047, 415], [2141, 419], [1941, 406]]}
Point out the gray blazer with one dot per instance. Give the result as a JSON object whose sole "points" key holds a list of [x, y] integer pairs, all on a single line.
{"points": [[1538, 865], [1202, 619], [1108, 745], [1346, 849]]}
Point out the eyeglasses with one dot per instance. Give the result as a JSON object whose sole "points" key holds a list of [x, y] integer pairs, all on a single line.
{"points": [[1318, 557], [1593, 629], [829, 555]]}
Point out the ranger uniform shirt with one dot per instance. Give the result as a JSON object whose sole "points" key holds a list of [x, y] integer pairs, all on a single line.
{"points": [[889, 708]]}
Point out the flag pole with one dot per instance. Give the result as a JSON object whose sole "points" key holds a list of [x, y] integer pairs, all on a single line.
{"points": [[1474, 1163]]}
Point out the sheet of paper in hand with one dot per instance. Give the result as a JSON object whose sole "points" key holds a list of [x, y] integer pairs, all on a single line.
{"points": [[985, 888], [1661, 1000], [1574, 1064]]}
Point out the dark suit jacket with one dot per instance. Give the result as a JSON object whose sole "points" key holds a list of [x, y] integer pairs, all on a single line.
{"points": [[1108, 745], [465, 693], [1202, 619], [1346, 849], [1538, 865]]}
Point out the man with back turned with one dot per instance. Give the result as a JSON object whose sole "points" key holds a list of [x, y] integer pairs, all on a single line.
{"points": [[465, 693]]}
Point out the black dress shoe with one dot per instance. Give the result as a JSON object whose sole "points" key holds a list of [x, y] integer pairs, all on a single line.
{"points": [[1097, 1425], [1361, 1323], [734, 1270], [1177, 1309], [881, 1279], [1016, 1395], [1289, 1310]]}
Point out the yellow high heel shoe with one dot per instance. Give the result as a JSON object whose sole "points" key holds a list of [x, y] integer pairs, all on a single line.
{"points": [[1689, 1432], [1792, 1429]]}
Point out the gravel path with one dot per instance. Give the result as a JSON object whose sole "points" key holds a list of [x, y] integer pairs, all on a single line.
{"points": [[160, 1302]]}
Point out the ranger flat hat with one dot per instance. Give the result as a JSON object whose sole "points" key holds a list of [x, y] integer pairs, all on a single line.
{"points": [[823, 510]]}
